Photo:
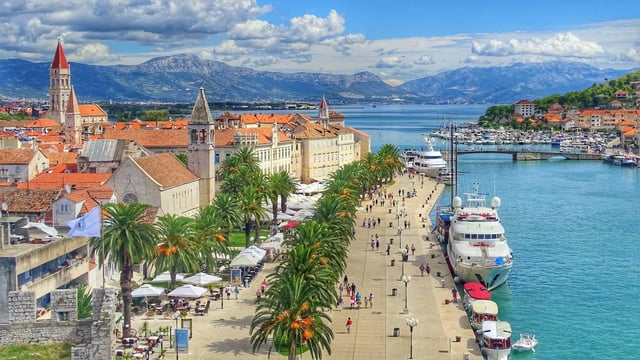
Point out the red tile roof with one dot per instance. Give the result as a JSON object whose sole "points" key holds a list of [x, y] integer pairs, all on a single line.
{"points": [[41, 123], [29, 200], [149, 138], [59, 180], [59, 59], [165, 169], [16, 156], [225, 137], [88, 110]]}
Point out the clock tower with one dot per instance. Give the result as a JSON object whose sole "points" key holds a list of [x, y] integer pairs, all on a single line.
{"points": [[201, 149], [59, 86]]}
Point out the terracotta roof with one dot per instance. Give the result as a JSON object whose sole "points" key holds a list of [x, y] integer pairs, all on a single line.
{"points": [[29, 200], [16, 156], [90, 197], [165, 169], [59, 180], [59, 59], [312, 130], [56, 158], [224, 137], [88, 110], [150, 138], [41, 123]]}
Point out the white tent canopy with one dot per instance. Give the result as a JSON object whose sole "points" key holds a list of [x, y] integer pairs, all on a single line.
{"points": [[147, 290], [245, 259], [201, 279], [188, 291], [275, 245], [166, 277]]}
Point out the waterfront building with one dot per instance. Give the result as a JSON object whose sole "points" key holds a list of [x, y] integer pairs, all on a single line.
{"points": [[524, 108]]}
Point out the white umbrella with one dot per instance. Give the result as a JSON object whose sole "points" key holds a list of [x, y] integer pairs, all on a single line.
{"points": [[166, 277], [276, 245], [245, 259], [147, 290], [188, 291], [201, 279]]}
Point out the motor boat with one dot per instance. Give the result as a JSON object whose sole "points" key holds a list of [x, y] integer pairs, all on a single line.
{"points": [[429, 162], [481, 311], [496, 340], [527, 342], [474, 291], [477, 249]]}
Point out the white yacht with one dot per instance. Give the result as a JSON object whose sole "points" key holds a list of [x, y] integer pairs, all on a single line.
{"points": [[429, 162], [496, 340], [477, 249]]}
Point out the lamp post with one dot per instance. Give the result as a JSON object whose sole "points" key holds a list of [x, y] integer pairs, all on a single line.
{"points": [[412, 322], [176, 316], [406, 279]]}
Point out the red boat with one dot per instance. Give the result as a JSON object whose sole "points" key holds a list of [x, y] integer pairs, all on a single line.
{"points": [[474, 291]]}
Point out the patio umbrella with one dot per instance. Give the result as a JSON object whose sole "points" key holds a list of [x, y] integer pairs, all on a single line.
{"points": [[245, 259], [188, 291], [201, 279], [166, 277], [147, 290]]}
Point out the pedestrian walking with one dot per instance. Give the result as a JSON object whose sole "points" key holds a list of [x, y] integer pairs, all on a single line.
{"points": [[349, 325], [373, 243], [341, 288], [352, 301], [345, 280], [428, 269], [353, 288], [413, 249], [366, 302], [236, 292], [422, 269], [371, 300], [454, 294], [388, 248], [228, 292], [377, 245], [340, 301]]}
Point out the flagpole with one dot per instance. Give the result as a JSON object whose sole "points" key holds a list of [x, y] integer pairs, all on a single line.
{"points": [[102, 244]]}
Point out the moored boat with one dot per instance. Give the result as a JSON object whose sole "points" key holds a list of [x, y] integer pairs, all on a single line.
{"points": [[477, 249], [429, 162], [527, 342], [481, 311], [474, 291], [496, 340]]}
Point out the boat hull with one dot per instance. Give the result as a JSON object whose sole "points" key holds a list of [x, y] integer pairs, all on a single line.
{"points": [[491, 277]]}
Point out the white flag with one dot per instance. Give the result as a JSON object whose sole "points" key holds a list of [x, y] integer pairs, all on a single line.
{"points": [[87, 225]]}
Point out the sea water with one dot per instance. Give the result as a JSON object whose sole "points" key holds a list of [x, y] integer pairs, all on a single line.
{"points": [[573, 227]]}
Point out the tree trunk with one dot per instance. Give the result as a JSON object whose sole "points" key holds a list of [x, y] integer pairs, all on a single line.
{"points": [[125, 285], [283, 203], [247, 234], [274, 210], [292, 350]]}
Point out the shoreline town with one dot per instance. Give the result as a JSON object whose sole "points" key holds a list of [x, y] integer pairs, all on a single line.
{"points": [[379, 331]]}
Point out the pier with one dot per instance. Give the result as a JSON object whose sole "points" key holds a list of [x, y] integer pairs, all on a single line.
{"points": [[529, 155]]}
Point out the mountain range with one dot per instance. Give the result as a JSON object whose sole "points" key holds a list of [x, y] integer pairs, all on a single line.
{"points": [[177, 79]]}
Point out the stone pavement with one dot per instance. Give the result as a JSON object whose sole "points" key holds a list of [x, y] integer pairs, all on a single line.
{"points": [[224, 333]]}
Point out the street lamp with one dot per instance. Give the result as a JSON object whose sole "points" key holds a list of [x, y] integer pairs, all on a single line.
{"points": [[412, 322], [406, 279], [176, 316]]}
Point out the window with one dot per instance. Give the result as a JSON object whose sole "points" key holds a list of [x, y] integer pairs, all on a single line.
{"points": [[64, 208]]}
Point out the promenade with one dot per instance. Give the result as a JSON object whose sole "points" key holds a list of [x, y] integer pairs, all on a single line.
{"points": [[224, 332]]}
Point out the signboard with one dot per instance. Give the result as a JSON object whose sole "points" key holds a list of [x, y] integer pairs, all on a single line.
{"points": [[182, 340], [236, 275], [188, 324]]}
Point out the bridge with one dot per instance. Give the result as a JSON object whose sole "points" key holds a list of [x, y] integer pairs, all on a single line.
{"points": [[529, 155]]}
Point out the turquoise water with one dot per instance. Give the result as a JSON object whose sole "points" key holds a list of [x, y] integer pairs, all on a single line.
{"points": [[573, 228]]}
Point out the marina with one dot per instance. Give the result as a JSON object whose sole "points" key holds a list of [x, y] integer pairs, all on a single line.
{"points": [[560, 264]]}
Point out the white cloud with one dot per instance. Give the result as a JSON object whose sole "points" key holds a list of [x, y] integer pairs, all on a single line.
{"points": [[633, 56], [560, 45], [93, 53], [424, 60]]}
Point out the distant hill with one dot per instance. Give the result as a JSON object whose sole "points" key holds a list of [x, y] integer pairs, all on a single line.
{"points": [[177, 79]]}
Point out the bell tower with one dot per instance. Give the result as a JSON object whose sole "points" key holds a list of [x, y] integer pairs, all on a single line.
{"points": [[73, 121], [201, 148], [59, 86]]}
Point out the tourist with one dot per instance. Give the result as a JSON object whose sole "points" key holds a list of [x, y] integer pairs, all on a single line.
{"points": [[377, 245], [454, 294], [340, 301], [422, 269], [228, 292], [413, 249], [349, 324], [428, 269], [371, 300], [340, 288], [236, 292]]}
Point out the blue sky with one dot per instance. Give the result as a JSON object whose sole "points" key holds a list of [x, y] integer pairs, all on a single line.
{"points": [[397, 40]]}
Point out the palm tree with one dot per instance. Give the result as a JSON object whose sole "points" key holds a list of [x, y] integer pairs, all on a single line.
{"points": [[291, 313], [127, 239], [250, 206], [177, 250], [280, 185], [227, 213], [208, 236], [390, 160]]}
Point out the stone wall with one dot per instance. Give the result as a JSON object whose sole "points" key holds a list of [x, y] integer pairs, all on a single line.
{"points": [[94, 337]]}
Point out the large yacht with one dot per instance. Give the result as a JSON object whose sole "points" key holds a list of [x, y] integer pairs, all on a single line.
{"points": [[477, 249], [429, 162]]}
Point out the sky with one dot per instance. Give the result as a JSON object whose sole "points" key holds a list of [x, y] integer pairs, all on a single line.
{"points": [[397, 40]]}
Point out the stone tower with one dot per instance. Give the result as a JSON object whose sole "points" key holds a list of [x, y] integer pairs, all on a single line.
{"points": [[59, 86], [201, 148], [323, 113], [73, 121]]}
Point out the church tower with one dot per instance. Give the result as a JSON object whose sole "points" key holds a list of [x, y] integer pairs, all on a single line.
{"points": [[73, 121], [323, 113], [59, 86], [201, 148]]}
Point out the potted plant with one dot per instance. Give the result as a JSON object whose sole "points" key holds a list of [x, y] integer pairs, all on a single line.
{"points": [[151, 313]]}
